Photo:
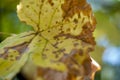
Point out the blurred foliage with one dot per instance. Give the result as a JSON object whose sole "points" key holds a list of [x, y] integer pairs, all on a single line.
{"points": [[107, 13], [107, 32], [9, 22], [108, 17], [105, 27]]}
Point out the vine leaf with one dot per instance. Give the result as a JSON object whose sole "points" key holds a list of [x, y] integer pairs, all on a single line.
{"points": [[62, 38]]}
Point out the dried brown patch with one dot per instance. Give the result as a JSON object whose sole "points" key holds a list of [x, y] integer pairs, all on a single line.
{"points": [[84, 70], [21, 48], [86, 34], [71, 7]]}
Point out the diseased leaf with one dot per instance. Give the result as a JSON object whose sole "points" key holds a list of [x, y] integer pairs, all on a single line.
{"points": [[61, 41], [14, 53], [64, 28]]}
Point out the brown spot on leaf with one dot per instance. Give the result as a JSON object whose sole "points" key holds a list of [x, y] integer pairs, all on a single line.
{"points": [[87, 66], [68, 29], [51, 3], [49, 74], [75, 21], [76, 44], [80, 52], [56, 45], [21, 48], [86, 34], [27, 6]]}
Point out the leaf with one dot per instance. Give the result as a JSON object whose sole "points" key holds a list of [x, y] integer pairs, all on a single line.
{"points": [[65, 23], [14, 53], [62, 38], [64, 27]]}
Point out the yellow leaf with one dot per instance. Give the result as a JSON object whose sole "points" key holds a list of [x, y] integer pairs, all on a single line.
{"points": [[13, 54], [61, 41], [63, 27]]}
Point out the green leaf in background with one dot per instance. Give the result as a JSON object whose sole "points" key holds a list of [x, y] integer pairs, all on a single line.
{"points": [[107, 28]]}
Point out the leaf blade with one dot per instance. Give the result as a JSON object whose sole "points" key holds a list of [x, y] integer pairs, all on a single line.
{"points": [[14, 54]]}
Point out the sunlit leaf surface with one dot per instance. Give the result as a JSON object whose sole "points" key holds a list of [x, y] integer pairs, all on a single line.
{"points": [[60, 43]]}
